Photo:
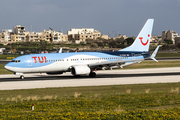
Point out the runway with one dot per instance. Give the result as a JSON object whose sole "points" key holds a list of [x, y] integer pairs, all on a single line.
{"points": [[108, 77]]}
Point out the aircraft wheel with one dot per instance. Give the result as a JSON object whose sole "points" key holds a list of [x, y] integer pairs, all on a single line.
{"points": [[92, 74], [22, 77], [77, 75]]}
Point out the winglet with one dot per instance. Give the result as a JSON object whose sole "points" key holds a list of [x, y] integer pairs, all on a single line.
{"points": [[60, 51], [154, 54]]}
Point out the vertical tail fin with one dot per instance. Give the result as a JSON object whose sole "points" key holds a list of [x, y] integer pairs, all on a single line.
{"points": [[142, 41]]}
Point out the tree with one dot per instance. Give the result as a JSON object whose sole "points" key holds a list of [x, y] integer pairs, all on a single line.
{"points": [[112, 44], [120, 40], [100, 44], [168, 41], [178, 45], [82, 43], [129, 40], [94, 45], [165, 47]]}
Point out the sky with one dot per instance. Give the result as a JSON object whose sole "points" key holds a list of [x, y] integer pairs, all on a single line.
{"points": [[113, 17]]}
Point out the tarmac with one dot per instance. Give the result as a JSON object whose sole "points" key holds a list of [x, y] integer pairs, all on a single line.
{"points": [[107, 77]]}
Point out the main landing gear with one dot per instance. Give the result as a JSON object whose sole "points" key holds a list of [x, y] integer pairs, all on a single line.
{"points": [[22, 77], [92, 74]]}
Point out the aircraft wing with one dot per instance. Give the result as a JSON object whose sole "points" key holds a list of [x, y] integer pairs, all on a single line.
{"points": [[112, 63]]}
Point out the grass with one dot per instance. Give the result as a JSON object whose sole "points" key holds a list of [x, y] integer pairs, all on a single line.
{"points": [[3, 70], [93, 102], [88, 91], [153, 64], [166, 55], [5, 56]]}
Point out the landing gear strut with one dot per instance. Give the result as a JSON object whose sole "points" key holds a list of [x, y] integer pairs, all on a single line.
{"points": [[92, 74]]}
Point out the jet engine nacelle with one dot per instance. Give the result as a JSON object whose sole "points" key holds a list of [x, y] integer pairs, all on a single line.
{"points": [[80, 70]]}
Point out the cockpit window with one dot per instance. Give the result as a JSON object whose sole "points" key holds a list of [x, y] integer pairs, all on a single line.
{"points": [[16, 61]]}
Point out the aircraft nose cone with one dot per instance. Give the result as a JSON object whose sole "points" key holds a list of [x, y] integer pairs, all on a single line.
{"points": [[7, 67]]}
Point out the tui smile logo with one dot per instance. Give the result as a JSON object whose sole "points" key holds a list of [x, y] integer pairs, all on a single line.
{"points": [[141, 38]]}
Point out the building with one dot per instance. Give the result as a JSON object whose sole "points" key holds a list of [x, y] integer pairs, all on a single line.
{"points": [[177, 39], [83, 34], [122, 36], [2, 37], [104, 36], [171, 35], [5, 35], [64, 37], [31, 37], [14, 38], [155, 40], [45, 36], [18, 34], [58, 36], [52, 36], [20, 30]]}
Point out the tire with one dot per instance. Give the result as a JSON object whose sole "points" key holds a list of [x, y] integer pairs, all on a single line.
{"points": [[77, 75], [92, 74], [22, 77]]}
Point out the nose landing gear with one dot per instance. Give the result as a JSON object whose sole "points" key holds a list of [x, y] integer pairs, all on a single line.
{"points": [[20, 74]]}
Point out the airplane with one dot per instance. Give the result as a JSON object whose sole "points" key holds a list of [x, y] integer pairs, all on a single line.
{"points": [[84, 63]]}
